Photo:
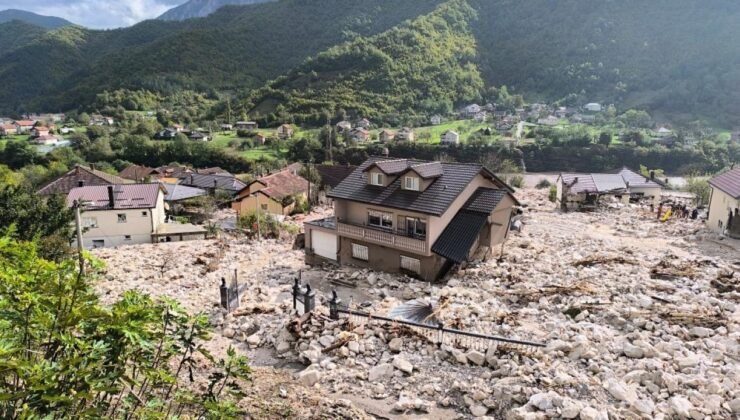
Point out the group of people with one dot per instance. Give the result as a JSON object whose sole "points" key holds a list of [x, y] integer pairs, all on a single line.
{"points": [[676, 210]]}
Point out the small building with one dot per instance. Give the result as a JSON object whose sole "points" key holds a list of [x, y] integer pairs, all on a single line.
{"points": [[480, 116], [246, 125], [405, 134], [80, 176], [259, 139], [359, 135], [23, 126], [663, 132], [139, 173], [724, 204], [343, 127], [640, 187], [178, 193], [450, 137], [436, 120], [584, 191], [274, 194], [226, 127], [550, 120], [166, 134], [386, 135], [101, 120], [285, 131], [67, 130], [8, 130], [198, 136], [413, 217], [592, 107], [364, 123], [45, 140], [40, 131], [213, 183], [471, 110]]}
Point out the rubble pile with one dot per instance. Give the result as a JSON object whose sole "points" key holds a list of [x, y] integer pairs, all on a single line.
{"points": [[640, 318]]}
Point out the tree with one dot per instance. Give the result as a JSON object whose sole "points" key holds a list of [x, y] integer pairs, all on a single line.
{"points": [[83, 118], [18, 154], [605, 138], [65, 355]]}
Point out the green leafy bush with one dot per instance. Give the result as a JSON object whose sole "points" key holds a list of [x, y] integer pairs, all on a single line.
{"points": [[553, 193], [516, 181], [542, 184]]}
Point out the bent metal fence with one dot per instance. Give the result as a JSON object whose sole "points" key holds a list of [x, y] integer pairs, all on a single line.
{"points": [[436, 334], [229, 294]]}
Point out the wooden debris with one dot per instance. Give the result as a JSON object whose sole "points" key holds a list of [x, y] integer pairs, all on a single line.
{"points": [[601, 260], [259, 308]]}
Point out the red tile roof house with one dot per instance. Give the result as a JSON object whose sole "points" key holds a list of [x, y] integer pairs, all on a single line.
{"points": [[8, 130], [114, 215], [274, 194], [24, 126], [80, 176]]}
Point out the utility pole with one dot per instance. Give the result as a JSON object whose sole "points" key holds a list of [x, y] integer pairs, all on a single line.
{"points": [[308, 175], [328, 139], [78, 228]]}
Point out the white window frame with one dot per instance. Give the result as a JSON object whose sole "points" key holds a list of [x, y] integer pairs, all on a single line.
{"points": [[90, 222], [377, 178], [360, 252], [416, 222], [411, 183], [122, 218], [411, 264], [386, 219]]}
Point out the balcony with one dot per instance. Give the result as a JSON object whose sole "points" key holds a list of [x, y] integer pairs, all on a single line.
{"points": [[385, 237]]}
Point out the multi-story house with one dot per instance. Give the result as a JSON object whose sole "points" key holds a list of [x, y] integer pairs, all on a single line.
{"points": [[724, 203], [416, 217]]}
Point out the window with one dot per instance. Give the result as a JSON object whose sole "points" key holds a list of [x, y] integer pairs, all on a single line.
{"points": [[377, 178], [411, 264], [89, 222], [411, 183], [359, 252], [144, 214], [380, 219], [127, 238], [416, 227], [98, 243], [121, 217], [264, 207]]}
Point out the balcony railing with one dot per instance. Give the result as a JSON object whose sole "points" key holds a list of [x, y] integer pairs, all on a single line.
{"points": [[382, 237]]}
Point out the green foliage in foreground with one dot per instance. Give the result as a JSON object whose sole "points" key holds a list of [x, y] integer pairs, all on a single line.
{"points": [[699, 186], [64, 355]]}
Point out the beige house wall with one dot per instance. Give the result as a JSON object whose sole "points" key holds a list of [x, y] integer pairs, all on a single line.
{"points": [[255, 202], [386, 259], [651, 194], [138, 226], [720, 206]]}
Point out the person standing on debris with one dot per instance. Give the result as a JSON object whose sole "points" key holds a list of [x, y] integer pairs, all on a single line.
{"points": [[694, 214]]}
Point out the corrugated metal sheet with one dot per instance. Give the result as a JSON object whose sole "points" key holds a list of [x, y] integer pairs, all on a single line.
{"points": [[228, 183], [728, 182], [176, 192], [129, 196]]}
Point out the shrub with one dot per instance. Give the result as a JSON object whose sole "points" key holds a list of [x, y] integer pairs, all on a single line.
{"points": [[700, 188], [267, 225], [516, 181], [542, 184], [553, 194]]}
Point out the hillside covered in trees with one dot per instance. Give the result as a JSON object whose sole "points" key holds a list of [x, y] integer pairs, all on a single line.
{"points": [[675, 58]]}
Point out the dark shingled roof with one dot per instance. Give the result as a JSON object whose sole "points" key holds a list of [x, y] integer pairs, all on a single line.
{"points": [[484, 200], [65, 183], [177, 192], [332, 175], [728, 182], [434, 200], [391, 166], [228, 183], [136, 172], [459, 236], [428, 170]]}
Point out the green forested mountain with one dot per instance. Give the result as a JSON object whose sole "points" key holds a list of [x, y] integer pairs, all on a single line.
{"points": [[48, 22], [16, 33], [312, 58], [201, 8]]}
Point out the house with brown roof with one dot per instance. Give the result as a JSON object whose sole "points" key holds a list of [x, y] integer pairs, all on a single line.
{"points": [[40, 131], [405, 134], [23, 126], [386, 135], [285, 131], [114, 215], [139, 173], [359, 135], [724, 204], [8, 130], [416, 217], [80, 176], [331, 176], [274, 194], [46, 140]]}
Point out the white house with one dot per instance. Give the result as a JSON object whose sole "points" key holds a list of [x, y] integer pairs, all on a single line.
{"points": [[450, 137], [436, 120], [344, 126], [125, 214], [471, 110], [405, 134], [663, 132], [724, 204], [549, 120], [592, 107]]}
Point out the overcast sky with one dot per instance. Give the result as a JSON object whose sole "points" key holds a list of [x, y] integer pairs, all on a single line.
{"points": [[97, 14]]}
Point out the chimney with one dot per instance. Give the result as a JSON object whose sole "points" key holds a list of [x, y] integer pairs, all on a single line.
{"points": [[111, 199], [652, 174], [81, 183]]}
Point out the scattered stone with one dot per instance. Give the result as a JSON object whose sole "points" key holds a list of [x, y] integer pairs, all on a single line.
{"points": [[681, 406], [381, 371], [476, 357], [396, 345], [402, 364], [309, 376], [478, 410]]}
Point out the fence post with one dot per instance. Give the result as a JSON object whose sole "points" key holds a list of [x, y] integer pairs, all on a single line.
{"points": [[334, 305], [296, 291], [308, 299], [224, 294], [236, 287]]}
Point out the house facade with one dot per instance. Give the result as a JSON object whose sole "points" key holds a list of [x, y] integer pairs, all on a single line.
{"points": [[285, 131], [420, 218], [405, 134], [724, 204], [246, 125], [450, 137], [386, 135], [8, 130], [274, 194], [584, 191], [23, 126]]}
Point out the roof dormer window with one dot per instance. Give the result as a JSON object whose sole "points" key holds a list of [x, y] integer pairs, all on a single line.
{"points": [[411, 183], [377, 179]]}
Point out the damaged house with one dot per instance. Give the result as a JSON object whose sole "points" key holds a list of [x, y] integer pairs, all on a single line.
{"points": [[584, 191], [416, 217]]}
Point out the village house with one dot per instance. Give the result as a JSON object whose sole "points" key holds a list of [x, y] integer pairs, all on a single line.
{"points": [[80, 176], [274, 194], [285, 131], [226, 127], [663, 132], [139, 173], [8, 130], [480, 116], [101, 120], [724, 204], [259, 139], [416, 217], [343, 126], [450, 137], [67, 130], [471, 110], [114, 215], [584, 191], [386, 135], [198, 136], [364, 123], [166, 134], [550, 120], [40, 131], [436, 120], [246, 125], [213, 183], [23, 126], [592, 107], [405, 134], [45, 140], [331, 176], [359, 135]]}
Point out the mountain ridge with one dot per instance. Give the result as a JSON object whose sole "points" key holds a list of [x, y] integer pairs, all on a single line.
{"points": [[202, 8], [47, 22]]}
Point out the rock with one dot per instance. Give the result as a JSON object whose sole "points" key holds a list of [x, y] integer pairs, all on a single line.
{"points": [[645, 406], [254, 339], [379, 389], [402, 364], [734, 405], [403, 404], [478, 410], [687, 362], [701, 332], [459, 356], [632, 351], [381, 371], [680, 406], [543, 401], [590, 413], [229, 333], [570, 409], [491, 358], [476, 357], [353, 346], [396, 345], [282, 347], [309, 376], [326, 340], [619, 390]]}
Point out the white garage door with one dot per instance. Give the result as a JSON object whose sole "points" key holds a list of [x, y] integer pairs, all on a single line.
{"points": [[324, 244]]}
